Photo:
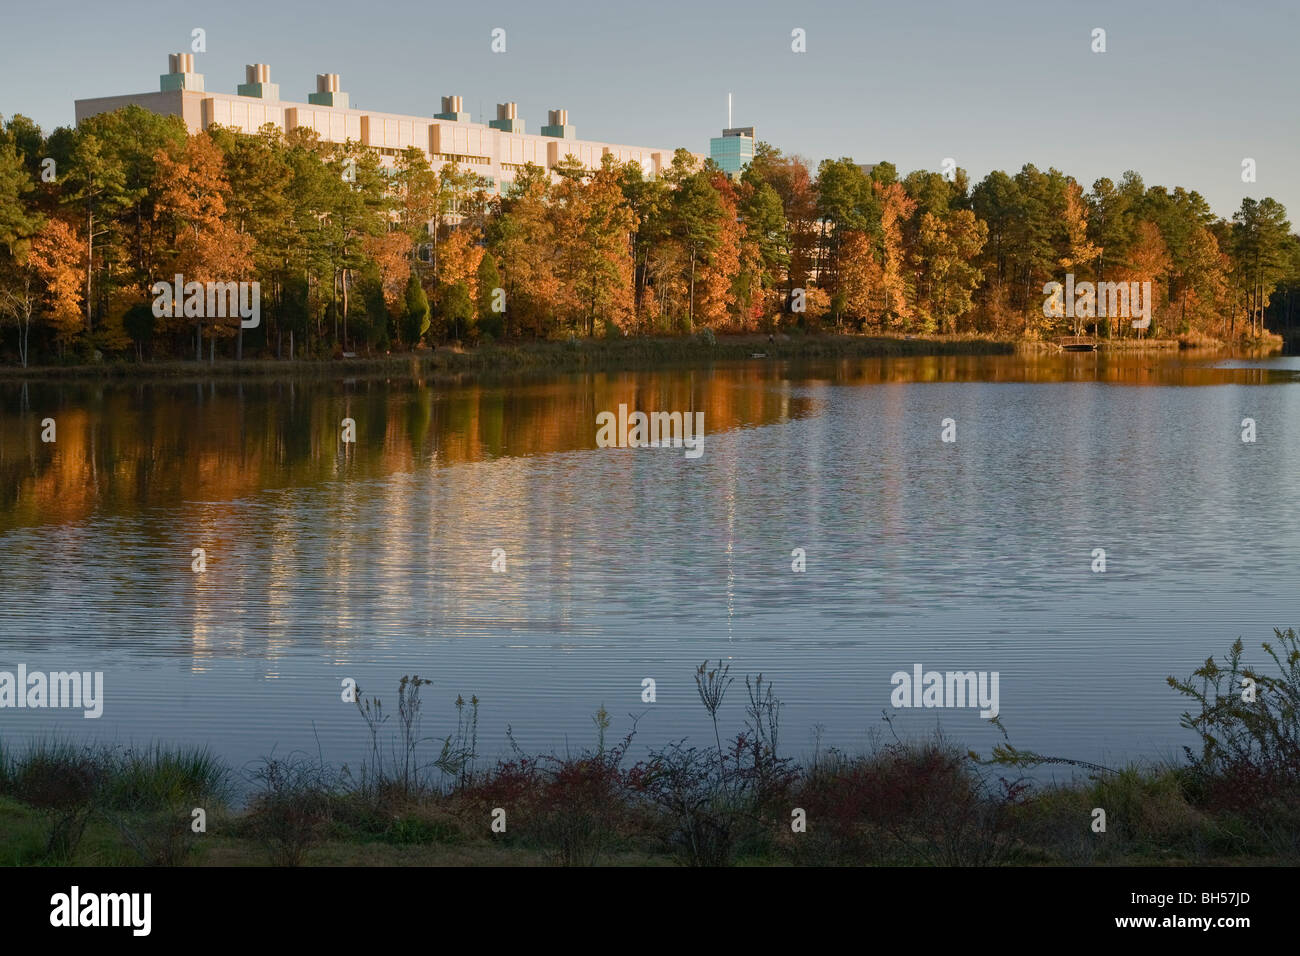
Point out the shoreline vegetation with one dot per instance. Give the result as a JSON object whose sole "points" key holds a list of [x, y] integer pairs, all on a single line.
{"points": [[130, 236], [650, 352], [735, 800]]}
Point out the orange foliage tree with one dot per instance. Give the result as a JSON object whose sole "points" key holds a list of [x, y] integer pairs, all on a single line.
{"points": [[58, 258]]}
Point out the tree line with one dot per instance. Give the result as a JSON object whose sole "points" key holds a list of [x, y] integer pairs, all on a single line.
{"points": [[354, 256]]}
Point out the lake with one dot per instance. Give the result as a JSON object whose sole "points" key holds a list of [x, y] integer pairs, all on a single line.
{"points": [[328, 560]]}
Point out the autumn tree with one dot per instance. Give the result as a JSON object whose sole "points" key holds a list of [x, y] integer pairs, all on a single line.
{"points": [[203, 245], [458, 282], [721, 267], [1148, 261], [523, 240], [948, 247], [848, 202], [790, 178], [860, 279], [895, 208], [57, 260]]}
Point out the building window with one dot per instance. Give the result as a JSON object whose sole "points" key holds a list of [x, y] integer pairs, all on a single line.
{"points": [[464, 160]]}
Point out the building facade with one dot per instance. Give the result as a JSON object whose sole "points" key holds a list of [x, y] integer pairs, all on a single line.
{"points": [[496, 150], [733, 150]]}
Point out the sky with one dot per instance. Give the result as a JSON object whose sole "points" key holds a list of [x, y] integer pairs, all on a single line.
{"points": [[1184, 92]]}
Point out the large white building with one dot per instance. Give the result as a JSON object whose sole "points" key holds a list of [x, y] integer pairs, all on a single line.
{"points": [[495, 150]]}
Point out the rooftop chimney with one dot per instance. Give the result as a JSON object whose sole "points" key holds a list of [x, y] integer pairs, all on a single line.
{"points": [[328, 92], [180, 74], [507, 118], [257, 82], [558, 125], [453, 109]]}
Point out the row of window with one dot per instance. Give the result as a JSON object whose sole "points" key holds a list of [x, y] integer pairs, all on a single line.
{"points": [[458, 158], [445, 157]]}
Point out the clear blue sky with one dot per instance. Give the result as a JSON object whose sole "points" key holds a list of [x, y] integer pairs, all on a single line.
{"points": [[1184, 92]]}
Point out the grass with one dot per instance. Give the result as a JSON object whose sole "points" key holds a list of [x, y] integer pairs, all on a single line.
{"points": [[455, 363], [418, 800], [72, 793], [631, 352]]}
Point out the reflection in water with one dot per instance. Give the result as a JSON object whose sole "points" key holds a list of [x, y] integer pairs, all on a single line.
{"points": [[122, 448], [372, 560]]}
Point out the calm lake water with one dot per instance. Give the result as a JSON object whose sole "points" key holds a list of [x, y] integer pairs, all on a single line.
{"points": [[327, 561]]}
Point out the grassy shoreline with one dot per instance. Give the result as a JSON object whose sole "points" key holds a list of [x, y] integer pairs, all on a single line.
{"points": [[578, 355], [631, 353], [920, 802]]}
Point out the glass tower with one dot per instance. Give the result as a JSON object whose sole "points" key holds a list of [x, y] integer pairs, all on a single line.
{"points": [[733, 149]]}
